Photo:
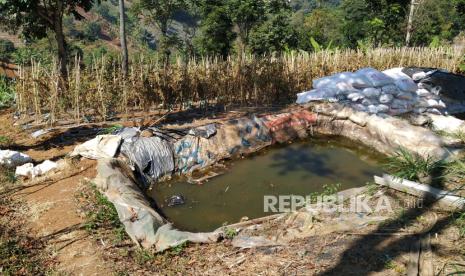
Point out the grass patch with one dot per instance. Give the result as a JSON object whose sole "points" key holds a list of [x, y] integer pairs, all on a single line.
{"points": [[412, 166], [328, 189], [101, 213], [111, 129], [5, 141], [7, 92], [20, 254]]}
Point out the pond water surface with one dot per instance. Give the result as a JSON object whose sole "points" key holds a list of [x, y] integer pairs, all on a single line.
{"points": [[300, 168]]}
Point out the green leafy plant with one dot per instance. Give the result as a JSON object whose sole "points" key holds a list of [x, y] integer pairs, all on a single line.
{"points": [[178, 249], [411, 166], [103, 214], [111, 129], [328, 189], [230, 233], [7, 92]]}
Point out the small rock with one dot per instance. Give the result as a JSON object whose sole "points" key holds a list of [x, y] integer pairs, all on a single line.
{"points": [[386, 98]]}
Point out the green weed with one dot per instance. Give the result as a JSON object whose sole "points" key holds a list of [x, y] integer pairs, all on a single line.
{"points": [[111, 129], [5, 141], [411, 166], [230, 233], [103, 214], [7, 92]]}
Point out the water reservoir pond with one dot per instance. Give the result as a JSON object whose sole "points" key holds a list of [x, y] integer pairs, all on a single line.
{"points": [[300, 168]]}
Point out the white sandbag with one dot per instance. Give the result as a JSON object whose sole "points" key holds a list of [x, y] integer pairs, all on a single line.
{"points": [[419, 76], [371, 92], [375, 77], [28, 169], [448, 124], [386, 98], [314, 95], [390, 88], [24, 170], [355, 96], [12, 159], [402, 80], [408, 96], [407, 85], [355, 80], [423, 92], [102, 146]]}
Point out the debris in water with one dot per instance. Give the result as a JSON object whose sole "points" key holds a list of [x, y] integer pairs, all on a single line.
{"points": [[176, 200]]}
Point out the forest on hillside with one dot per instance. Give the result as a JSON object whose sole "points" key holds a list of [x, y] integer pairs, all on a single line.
{"points": [[193, 28]]}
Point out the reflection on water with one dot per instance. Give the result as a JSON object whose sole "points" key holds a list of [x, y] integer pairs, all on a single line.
{"points": [[295, 169]]}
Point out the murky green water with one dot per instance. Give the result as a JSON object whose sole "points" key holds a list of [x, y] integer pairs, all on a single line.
{"points": [[295, 169]]}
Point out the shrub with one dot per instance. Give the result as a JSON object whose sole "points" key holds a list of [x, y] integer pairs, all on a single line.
{"points": [[6, 48], [7, 92], [92, 30]]}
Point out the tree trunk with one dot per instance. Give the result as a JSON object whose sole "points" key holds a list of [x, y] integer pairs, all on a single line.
{"points": [[60, 38], [410, 23], [122, 34]]}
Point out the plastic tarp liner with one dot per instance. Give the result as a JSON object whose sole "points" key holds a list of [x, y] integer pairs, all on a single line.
{"points": [[102, 146], [238, 136], [410, 71], [446, 84], [152, 155], [142, 223]]}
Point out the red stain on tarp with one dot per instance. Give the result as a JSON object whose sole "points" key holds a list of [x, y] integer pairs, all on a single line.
{"points": [[300, 119]]}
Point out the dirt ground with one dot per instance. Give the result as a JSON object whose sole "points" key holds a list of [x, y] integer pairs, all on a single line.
{"points": [[52, 213]]}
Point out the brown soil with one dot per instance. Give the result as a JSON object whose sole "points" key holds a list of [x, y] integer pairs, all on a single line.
{"points": [[53, 217]]}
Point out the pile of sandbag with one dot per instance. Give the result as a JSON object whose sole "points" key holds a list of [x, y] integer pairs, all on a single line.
{"points": [[394, 91]]}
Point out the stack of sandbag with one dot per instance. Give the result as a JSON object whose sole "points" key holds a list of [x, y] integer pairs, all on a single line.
{"points": [[390, 92]]}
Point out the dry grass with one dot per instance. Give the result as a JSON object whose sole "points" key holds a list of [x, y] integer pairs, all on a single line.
{"points": [[100, 90]]}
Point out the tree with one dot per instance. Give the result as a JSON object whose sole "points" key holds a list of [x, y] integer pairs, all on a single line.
{"points": [[276, 33], [216, 35], [323, 25], [245, 14], [160, 13], [122, 35], [35, 17]]}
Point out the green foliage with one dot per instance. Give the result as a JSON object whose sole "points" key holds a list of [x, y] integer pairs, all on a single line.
{"points": [[459, 220], [411, 166], [6, 48], [103, 213], [276, 33], [328, 190], [92, 30], [7, 93], [216, 31], [111, 129], [230, 233], [323, 25]]}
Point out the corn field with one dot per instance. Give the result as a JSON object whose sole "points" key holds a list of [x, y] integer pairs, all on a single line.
{"points": [[99, 91]]}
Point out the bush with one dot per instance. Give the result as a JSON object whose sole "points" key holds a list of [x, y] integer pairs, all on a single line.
{"points": [[6, 48], [7, 92], [92, 30]]}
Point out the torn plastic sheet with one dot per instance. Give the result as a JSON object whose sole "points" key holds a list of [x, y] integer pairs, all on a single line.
{"points": [[142, 223], [102, 146], [152, 155]]}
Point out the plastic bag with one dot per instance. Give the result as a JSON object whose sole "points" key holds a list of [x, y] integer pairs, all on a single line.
{"points": [[375, 77]]}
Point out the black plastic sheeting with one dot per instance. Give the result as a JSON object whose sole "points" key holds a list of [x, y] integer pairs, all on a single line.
{"points": [[446, 84]]}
